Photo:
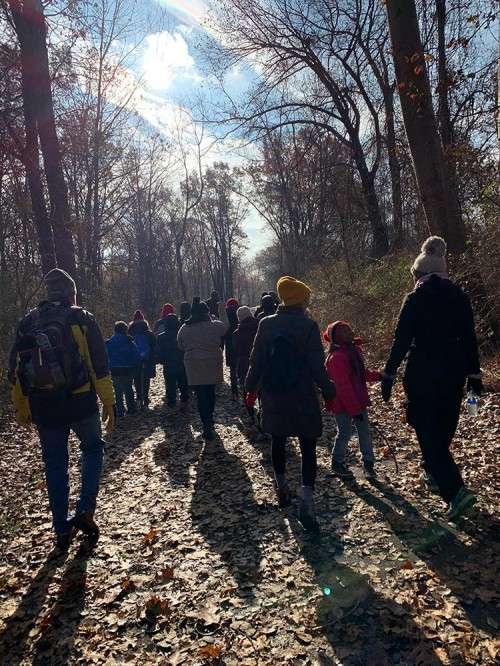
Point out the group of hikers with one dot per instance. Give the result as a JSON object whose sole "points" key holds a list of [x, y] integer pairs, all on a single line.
{"points": [[60, 366]]}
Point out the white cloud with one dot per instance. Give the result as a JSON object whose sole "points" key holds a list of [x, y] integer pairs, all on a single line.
{"points": [[165, 58]]}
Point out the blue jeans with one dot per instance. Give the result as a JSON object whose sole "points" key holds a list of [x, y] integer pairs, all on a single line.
{"points": [[123, 385], [55, 455], [345, 430]]}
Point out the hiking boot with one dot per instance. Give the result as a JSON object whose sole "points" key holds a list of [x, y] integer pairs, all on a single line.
{"points": [[307, 517], [462, 501], [85, 523], [63, 542], [369, 470], [208, 433], [341, 470], [284, 495]]}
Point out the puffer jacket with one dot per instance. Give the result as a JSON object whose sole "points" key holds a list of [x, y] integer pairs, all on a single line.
{"points": [[436, 331], [122, 353], [352, 393], [294, 413], [80, 403]]}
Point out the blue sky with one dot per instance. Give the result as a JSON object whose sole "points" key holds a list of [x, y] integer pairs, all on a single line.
{"points": [[170, 64]]}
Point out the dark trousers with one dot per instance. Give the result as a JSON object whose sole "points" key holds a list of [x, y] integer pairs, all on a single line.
{"points": [[308, 453], [142, 384], [174, 381], [205, 396], [123, 388], [435, 419], [233, 378]]}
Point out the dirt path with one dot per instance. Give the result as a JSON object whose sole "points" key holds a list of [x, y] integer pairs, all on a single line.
{"points": [[197, 565]]}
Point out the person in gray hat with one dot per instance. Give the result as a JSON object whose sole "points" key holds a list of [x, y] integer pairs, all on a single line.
{"points": [[58, 368], [436, 331]]}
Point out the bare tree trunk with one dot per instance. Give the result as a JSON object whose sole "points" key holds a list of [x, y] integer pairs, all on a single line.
{"points": [[29, 22], [436, 188], [34, 178], [394, 167]]}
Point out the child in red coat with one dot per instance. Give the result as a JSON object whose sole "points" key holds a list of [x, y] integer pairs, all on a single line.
{"points": [[346, 368]]}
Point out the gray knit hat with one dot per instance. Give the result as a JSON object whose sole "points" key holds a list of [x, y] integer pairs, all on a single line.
{"points": [[60, 285], [243, 313], [431, 258]]}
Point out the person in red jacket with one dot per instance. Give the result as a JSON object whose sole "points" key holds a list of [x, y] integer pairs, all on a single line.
{"points": [[346, 368]]}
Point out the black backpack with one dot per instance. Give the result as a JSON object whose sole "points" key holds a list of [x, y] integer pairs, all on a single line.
{"points": [[284, 364], [49, 358]]}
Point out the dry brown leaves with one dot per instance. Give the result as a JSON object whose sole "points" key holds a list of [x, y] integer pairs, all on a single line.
{"points": [[196, 564]]}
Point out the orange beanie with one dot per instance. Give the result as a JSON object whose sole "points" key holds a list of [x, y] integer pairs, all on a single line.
{"points": [[292, 291]]}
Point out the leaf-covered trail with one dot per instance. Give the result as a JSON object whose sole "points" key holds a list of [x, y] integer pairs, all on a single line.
{"points": [[196, 564]]}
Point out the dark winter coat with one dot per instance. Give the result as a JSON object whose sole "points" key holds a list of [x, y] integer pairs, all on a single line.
{"points": [[243, 339], [436, 327], [141, 327], [167, 350], [232, 319], [159, 326], [124, 357], [295, 413]]}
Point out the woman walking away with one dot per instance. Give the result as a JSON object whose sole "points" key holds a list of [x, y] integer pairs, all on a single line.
{"points": [[232, 306], [172, 359], [436, 327], [243, 339], [184, 312], [286, 364], [146, 342], [159, 326], [124, 361], [346, 368], [200, 338]]}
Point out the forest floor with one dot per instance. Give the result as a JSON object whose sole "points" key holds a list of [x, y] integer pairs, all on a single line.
{"points": [[197, 565]]}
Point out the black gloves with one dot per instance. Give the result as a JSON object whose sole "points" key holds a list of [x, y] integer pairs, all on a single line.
{"points": [[475, 384], [329, 392], [386, 386]]}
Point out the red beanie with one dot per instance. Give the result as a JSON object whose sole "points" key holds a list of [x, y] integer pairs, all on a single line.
{"points": [[232, 303], [167, 309], [138, 316], [329, 333]]}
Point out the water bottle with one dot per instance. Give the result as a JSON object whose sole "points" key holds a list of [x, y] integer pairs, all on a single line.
{"points": [[471, 403], [57, 374]]}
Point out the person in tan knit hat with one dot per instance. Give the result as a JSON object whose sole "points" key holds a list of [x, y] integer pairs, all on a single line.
{"points": [[435, 331]]}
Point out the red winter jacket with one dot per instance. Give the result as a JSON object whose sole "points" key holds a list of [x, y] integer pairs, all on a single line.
{"points": [[352, 394]]}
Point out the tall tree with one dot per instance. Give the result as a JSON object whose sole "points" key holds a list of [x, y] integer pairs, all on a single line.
{"points": [[437, 189], [30, 26]]}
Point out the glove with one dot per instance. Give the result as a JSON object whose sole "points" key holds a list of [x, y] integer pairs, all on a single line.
{"points": [[358, 417], [250, 399], [475, 384], [109, 417], [329, 392], [386, 387]]}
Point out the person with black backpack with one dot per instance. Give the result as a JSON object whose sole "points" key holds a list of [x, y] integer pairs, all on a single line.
{"points": [[145, 341], [58, 368], [286, 365]]}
